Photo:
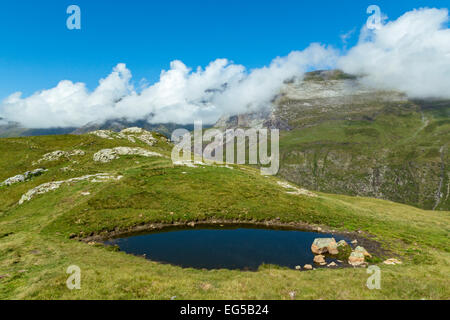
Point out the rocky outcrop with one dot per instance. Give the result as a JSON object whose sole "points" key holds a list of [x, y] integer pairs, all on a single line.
{"points": [[132, 134], [23, 177], [50, 186], [107, 155], [104, 134], [58, 154]]}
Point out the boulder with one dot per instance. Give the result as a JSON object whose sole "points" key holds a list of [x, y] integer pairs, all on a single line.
{"points": [[342, 243], [320, 259], [333, 248], [363, 251], [298, 268], [332, 264], [307, 267], [324, 245], [356, 258]]}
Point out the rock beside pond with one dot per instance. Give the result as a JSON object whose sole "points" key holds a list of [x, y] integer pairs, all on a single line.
{"points": [[320, 259], [356, 258], [332, 264], [307, 267], [363, 251], [324, 245], [342, 243], [298, 268]]}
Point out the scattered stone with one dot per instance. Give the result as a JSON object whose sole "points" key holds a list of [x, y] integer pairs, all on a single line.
{"points": [[392, 262], [355, 241], [332, 264], [356, 258], [307, 267], [92, 243], [107, 155], [295, 190], [23, 177], [72, 235], [191, 224], [85, 193], [298, 268], [292, 295], [320, 259], [173, 297], [324, 245]]}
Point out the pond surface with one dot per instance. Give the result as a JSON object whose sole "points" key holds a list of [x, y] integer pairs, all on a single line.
{"points": [[239, 247]]}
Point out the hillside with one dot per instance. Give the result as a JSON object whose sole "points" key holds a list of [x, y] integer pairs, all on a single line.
{"points": [[339, 136], [104, 183]]}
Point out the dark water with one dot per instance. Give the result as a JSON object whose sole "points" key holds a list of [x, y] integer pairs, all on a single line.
{"points": [[240, 247]]}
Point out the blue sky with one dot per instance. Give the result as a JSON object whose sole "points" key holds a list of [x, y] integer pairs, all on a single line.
{"points": [[37, 50]]}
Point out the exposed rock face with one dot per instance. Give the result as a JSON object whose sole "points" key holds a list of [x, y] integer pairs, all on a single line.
{"points": [[22, 177], [56, 155], [324, 245], [107, 155], [49, 186]]}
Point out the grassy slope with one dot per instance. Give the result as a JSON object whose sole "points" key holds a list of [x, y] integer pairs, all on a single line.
{"points": [[402, 142], [35, 248]]}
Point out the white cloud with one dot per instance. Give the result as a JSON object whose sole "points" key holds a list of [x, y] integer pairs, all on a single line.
{"points": [[181, 95], [411, 54]]}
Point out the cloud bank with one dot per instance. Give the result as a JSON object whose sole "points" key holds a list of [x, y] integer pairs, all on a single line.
{"points": [[181, 95], [411, 54]]}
